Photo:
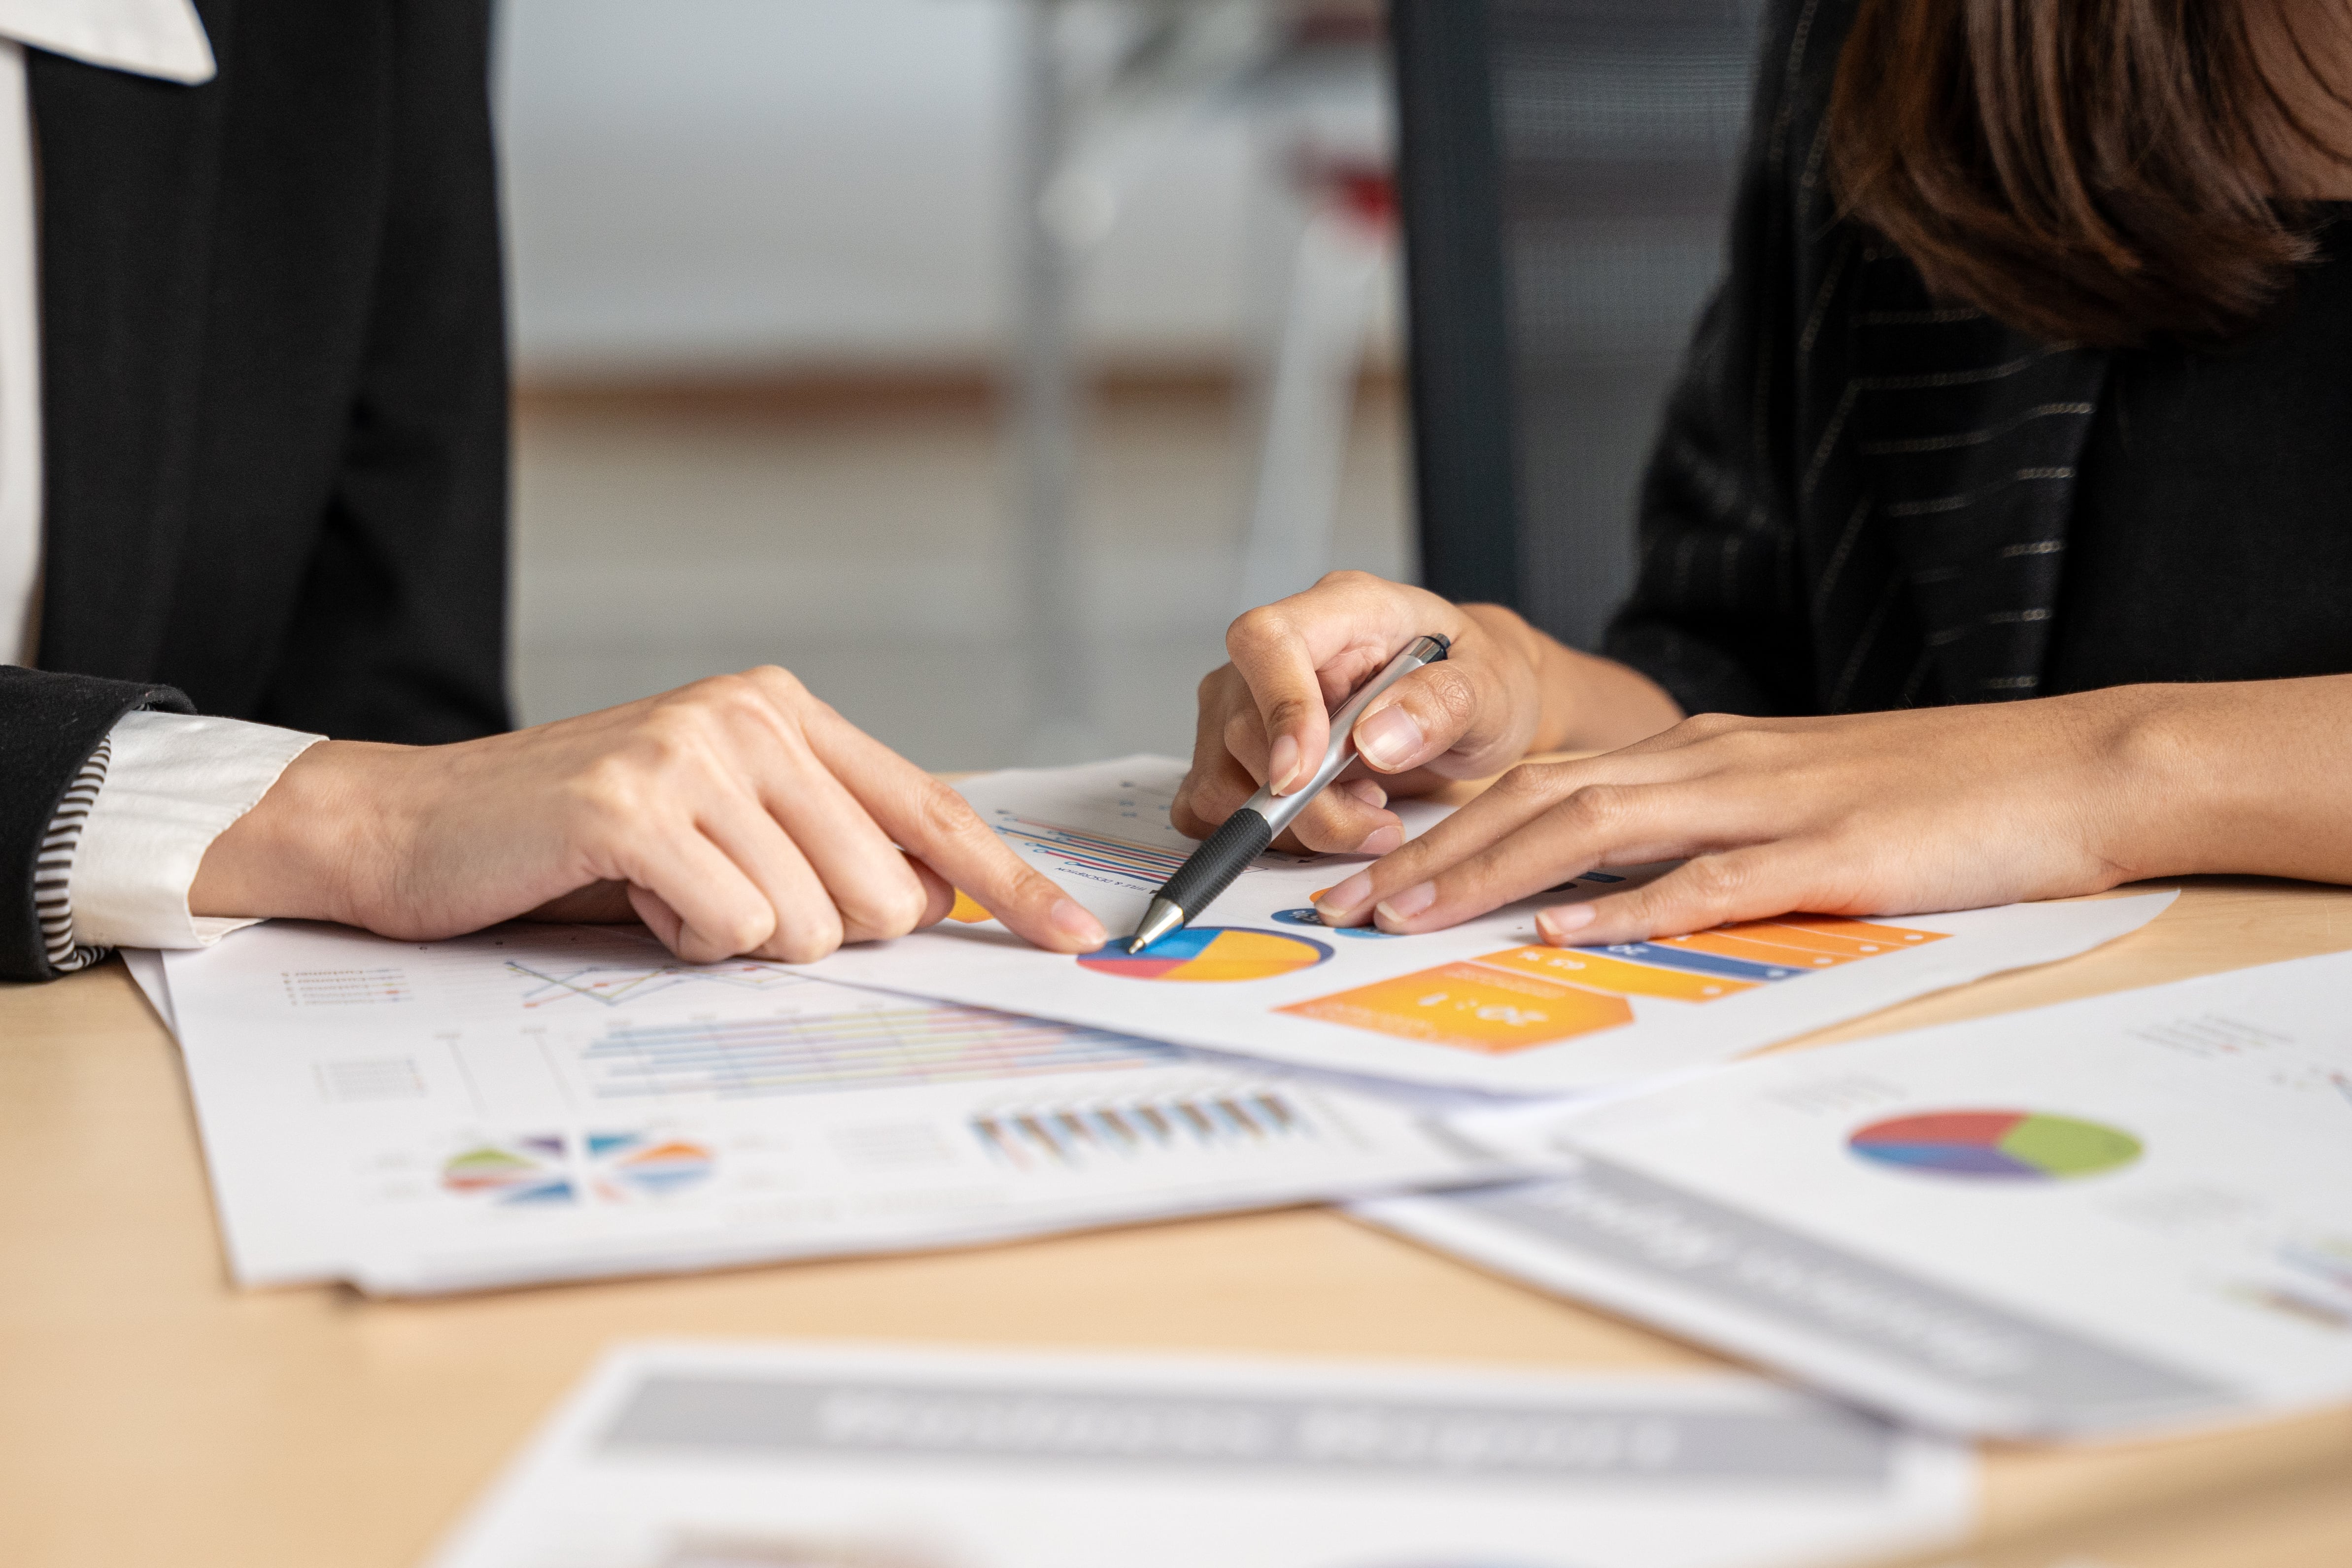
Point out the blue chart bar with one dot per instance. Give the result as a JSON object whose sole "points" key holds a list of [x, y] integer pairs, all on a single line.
{"points": [[1187, 1125], [880, 1048], [1694, 963]]}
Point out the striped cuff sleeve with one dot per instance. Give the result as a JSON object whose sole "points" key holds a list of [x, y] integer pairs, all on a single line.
{"points": [[53, 870]]}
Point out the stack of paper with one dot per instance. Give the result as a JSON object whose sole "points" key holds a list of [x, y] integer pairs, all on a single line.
{"points": [[548, 1102], [2119, 1213], [808, 1457], [2066, 1223]]}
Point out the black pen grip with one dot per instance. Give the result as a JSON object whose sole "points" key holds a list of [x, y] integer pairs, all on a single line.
{"points": [[1214, 865]]}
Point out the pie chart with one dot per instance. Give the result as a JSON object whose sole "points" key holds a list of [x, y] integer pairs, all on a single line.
{"points": [[1996, 1146], [521, 1171], [1211, 954]]}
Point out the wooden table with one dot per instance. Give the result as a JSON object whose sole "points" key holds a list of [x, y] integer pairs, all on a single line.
{"points": [[152, 1414]]}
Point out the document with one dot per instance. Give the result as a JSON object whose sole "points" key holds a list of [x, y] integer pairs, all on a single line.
{"points": [[743, 1456], [1484, 1006], [549, 1102], [2118, 1214]]}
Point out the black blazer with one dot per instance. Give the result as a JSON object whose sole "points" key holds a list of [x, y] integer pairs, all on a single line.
{"points": [[274, 397], [1860, 497]]}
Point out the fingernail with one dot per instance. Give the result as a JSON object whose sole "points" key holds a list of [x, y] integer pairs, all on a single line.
{"points": [[1367, 792], [1341, 901], [1558, 924], [1398, 908], [1070, 918], [1282, 767], [1380, 840], [1389, 738]]}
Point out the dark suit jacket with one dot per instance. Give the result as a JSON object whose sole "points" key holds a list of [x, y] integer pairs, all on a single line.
{"points": [[274, 398], [1860, 497]]}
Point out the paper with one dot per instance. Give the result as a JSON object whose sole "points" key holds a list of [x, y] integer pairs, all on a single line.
{"points": [[825, 1457], [1482, 1006], [2127, 1213], [556, 1101]]}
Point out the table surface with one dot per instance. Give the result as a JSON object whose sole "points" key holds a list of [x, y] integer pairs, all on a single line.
{"points": [[149, 1412]]}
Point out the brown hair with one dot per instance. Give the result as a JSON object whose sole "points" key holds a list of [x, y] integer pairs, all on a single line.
{"points": [[2089, 171]]}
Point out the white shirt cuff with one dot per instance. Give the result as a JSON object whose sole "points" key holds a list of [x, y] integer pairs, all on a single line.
{"points": [[174, 784]]}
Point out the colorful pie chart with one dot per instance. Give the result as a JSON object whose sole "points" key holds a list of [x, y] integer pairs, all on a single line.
{"points": [[1998, 1145], [1211, 954]]}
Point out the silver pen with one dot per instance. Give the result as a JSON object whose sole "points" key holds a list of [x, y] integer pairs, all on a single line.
{"points": [[1211, 868]]}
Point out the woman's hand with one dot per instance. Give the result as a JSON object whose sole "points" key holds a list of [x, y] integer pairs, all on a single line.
{"points": [[1871, 813], [738, 816], [1504, 688]]}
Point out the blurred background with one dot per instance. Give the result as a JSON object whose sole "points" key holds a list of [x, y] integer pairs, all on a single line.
{"points": [[978, 360]]}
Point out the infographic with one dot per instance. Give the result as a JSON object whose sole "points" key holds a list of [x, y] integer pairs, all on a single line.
{"points": [[1483, 1006], [2129, 1212]]}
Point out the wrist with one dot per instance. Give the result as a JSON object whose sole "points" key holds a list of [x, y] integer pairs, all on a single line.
{"points": [[2167, 787], [305, 849]]}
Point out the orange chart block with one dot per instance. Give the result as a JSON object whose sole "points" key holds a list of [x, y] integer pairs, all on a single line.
{"points": [[1745, 941], [1580, 966], [1471, 1007], [1830, 933]]}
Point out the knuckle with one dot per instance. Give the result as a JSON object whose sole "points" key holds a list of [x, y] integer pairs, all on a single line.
{"points": [[890, 910], [1347, 577], [1716, 880], [1596, 807], [1530, 781], [1452, 690], [775, 680], [807, 936], [1255, 631], [944, 815], [1285, 713], [1705, 726]]}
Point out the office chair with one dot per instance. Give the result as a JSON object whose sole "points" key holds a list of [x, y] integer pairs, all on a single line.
{"points": [[1565, 170]]}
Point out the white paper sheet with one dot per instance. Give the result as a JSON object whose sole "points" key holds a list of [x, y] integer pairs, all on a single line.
{"points": [[1484, 1005], [2165, 1239], [555, 1101], [724, 1455]]}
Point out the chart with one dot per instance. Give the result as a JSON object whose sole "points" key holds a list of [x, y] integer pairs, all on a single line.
{"points": [[1998, 1145], [1527, 997], [1211, 954], [521, 1171], [1072, 846], [613, 1167], [638, 1164], [876, 1048], [1308, 917], [1076, 1136], [615, 983]]}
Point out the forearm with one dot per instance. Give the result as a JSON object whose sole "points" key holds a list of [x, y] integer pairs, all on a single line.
{"points": [[2250, 777], [1585, 703]]}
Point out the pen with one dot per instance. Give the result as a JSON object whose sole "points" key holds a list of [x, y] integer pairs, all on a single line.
{"points": [[1211, 868]]}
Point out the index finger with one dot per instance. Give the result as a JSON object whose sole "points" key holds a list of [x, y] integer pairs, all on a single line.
{"points": [[1272, 658], [1300, 657], [938, 827]]}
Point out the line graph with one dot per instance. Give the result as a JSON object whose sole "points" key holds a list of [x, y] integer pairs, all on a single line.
{"points": [[1091, 851], [614, 984]]}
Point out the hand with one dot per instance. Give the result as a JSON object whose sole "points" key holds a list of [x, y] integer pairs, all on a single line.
{"points": [[738, 816], [1502, 689], [1870, 814]]}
